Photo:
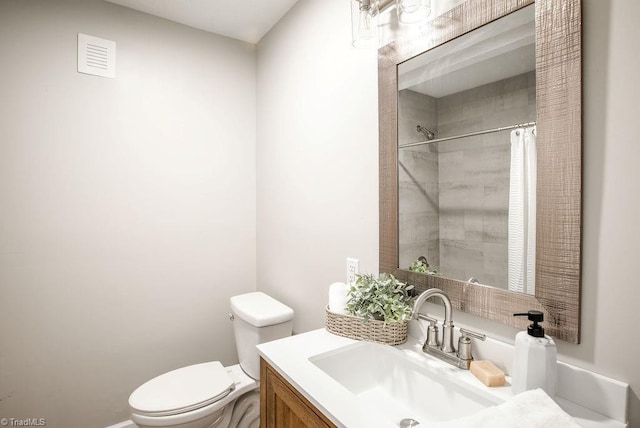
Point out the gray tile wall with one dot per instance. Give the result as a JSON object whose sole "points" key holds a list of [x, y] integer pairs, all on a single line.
{"points": [[468, 183], [417, 181]]}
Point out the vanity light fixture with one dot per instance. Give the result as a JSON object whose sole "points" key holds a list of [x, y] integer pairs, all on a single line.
{"points": [[364, 23], [413, 11], [364, 18]]}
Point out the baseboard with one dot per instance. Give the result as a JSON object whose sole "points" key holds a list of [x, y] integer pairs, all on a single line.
{"points": [[125, 424]]}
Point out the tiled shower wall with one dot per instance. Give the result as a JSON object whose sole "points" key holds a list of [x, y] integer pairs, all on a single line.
{"points": [[418, 204], [469, 185]]}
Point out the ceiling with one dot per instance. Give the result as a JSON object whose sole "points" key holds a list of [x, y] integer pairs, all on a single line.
{"points": [[499, 50], [246, 20]]}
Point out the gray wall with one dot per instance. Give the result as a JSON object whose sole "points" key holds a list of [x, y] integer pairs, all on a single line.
{"points": [[418, 199], [611, 232], [474, 177], [454, 195], [317, 157], [128, 206]]}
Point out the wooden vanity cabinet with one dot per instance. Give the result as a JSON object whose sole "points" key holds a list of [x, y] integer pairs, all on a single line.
{"points": [[282, 406]]}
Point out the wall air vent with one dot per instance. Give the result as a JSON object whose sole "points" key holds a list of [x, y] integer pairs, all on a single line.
{"points": [[96, 56]]}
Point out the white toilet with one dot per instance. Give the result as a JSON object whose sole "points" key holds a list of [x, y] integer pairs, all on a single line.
{"points": [[209, 395]]}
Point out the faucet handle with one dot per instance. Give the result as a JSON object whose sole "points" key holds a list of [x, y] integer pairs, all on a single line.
{"points": [[432, 321], [432, 331], [470, 333], [464, 343]]}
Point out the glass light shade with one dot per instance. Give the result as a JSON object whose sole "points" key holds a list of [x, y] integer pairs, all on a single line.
{"points": [[413, 11], [364, 23]]}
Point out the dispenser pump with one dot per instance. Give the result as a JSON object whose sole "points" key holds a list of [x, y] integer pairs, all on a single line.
{"points": [[534, 329]]}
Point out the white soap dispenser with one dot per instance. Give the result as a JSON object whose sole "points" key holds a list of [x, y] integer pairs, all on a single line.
{"points": [[536, 359]]}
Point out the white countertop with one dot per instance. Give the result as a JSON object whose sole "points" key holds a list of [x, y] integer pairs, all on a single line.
{"points": [[290, 357]]}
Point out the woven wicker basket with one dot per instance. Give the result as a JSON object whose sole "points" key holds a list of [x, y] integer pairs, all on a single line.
{"points": [[391, 333]]}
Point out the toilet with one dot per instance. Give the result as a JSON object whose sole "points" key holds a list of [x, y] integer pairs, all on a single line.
{"points": [[210, 395]]}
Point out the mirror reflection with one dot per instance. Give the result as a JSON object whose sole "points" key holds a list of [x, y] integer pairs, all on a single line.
{"points": [[467, 157]]}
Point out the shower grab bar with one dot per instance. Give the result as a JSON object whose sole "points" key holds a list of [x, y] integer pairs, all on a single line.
{"points": [[470, 134]]}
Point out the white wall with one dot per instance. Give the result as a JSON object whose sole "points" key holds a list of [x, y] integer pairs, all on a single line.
{"points": [[317, 143], [317, 167], [127, 213]]}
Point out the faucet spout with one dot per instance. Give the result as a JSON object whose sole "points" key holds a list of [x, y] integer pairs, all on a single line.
{"points": [[447, 326], [433, 292]]}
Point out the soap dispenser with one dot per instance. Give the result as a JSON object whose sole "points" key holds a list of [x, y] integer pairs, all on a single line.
{"points": [[536, 359]]}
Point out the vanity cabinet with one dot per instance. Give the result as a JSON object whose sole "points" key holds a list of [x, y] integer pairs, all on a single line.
{"points": [[281, 405]]}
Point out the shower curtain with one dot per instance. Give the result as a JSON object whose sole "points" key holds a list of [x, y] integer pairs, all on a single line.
{"points": [[522, 211]]}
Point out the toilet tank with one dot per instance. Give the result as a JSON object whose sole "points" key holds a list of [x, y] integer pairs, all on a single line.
{"points": [[258, 318]]}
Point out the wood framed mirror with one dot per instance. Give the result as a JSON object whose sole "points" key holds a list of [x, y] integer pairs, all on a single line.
{"points": [[559, 166]]}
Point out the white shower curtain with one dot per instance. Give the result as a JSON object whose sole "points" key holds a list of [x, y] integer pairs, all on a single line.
{"points": [[522, 211]]}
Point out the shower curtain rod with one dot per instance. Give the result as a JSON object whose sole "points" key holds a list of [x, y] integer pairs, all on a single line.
{"points": [[470, 134]]}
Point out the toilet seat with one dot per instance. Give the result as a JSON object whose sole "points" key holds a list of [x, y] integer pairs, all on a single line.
{"points": [[182, 390], [213, 411]]}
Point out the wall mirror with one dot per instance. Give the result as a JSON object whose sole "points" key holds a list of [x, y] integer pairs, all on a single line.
{"points": [[480, 159]]}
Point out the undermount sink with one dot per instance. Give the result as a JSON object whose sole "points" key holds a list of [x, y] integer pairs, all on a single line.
{"points": [[398, 385]]}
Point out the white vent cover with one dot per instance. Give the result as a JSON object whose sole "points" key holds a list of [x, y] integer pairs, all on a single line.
{"points": [[96, 56]]}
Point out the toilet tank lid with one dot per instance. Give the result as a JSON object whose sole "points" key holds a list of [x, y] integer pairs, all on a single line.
{"points": [[260, 310]]}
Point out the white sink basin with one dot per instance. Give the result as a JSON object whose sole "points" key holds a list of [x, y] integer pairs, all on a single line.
{"points": [[399, 385]]}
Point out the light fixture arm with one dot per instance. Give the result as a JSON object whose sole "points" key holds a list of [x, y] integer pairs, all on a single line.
{"points": [[385, 4], [382, 4]]}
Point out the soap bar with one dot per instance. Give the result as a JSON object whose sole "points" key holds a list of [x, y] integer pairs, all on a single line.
{"points": [[487, 372]]}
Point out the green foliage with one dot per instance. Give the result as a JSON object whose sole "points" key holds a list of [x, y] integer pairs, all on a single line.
{"points": [[422, 267], [383, 298]]}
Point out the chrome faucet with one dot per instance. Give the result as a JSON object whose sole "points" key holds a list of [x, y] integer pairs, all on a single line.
{"points": [[447, 326], [445, 350]]}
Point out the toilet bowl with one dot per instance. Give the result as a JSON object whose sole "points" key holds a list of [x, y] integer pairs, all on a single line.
{"points": [[209, 395]]}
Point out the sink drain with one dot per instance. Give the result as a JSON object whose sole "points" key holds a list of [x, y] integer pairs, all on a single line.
{"points": [[408, 423]]}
